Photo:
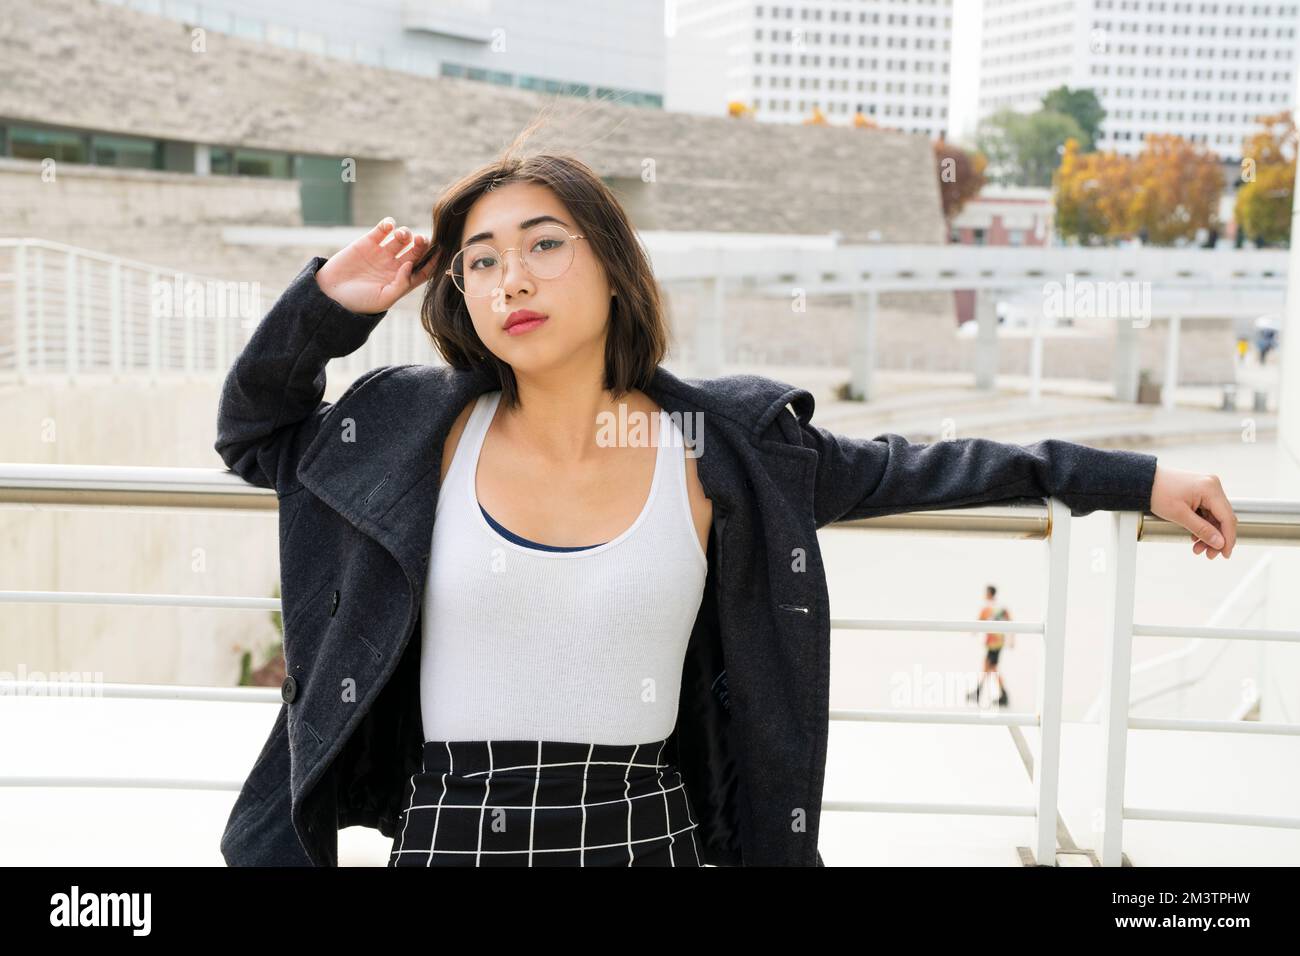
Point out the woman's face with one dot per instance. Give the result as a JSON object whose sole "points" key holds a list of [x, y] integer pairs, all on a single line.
{"points": [[576, 303]]}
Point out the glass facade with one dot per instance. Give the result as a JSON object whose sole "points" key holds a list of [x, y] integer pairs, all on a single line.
{"points": [[251, 162], [542, 85], [326, 197], [126, 151], [65, 146]]}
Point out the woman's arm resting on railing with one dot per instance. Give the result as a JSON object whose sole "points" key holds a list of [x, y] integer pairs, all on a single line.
{"points": [[864, 478], [271, 402]]}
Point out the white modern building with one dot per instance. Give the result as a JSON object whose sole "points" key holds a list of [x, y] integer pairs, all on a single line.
{"points": [[888, 59], [573, 47], [1201, 70]]}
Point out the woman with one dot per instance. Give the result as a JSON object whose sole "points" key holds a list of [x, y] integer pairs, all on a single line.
{"points": [[611, 647]]}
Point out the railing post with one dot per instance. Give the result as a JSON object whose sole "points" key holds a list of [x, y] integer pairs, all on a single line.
{"points": [[866, 306], [1126, 362], [70, 316], [115, 318], [708, 327], [1051, 684], [221, 329], [1036, 356], [1119, 657], [38, 257], [20, 310], [155, 329], [187, 315], [128, 323], [986, 338], [1171, 363]]}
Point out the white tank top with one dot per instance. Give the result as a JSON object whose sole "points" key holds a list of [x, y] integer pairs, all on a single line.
{"points": [[584, 645]]}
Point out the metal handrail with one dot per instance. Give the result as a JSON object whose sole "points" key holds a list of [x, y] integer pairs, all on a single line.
{"points": [[1260, 521], [1177, 657], [77, 312], [98, 486]]}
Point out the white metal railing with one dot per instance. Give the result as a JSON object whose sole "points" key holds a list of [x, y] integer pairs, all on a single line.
{"points": [[1266, 521], [121, 486], [74, 312], [1251, 587]]}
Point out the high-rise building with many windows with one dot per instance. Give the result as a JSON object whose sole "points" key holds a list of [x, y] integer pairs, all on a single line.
{"points": [[886, 59], [1202, 70]]}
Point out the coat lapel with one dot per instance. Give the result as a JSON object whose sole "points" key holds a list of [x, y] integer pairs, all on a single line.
{"points": [[377, 461]]}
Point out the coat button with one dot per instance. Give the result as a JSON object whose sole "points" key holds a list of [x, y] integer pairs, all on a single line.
{"points": [[289, 690], [334, 603]]}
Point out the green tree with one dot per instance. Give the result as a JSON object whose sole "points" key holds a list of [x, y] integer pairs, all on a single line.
{"points": [[1024, 149], [1083, 106]]}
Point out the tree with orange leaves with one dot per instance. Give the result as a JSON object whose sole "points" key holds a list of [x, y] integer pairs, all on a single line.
{"points": [[1091, 191], [1166, 193], [961, 176], [1176, 189]]}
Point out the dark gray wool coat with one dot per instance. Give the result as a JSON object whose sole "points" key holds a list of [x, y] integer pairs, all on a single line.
{"points": [[357, 481]]}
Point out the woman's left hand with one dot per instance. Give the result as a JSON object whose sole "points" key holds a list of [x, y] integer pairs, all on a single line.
{"points": [[1197, 503]]}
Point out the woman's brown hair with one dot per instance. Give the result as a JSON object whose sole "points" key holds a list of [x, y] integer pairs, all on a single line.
{"points": [[637, 336]]}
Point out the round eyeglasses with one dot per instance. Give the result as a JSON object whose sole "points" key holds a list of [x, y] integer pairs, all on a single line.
{"points": [[547, 251]]}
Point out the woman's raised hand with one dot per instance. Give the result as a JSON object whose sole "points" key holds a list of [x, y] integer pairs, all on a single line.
{"points": [[372, 273]]}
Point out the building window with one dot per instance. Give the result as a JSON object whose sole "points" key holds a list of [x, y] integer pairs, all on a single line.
{"points": [[64, 146], [251, 162], [126, 151]]}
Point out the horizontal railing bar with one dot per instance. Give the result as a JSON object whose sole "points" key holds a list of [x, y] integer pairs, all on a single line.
{"points": [[77, 690], [274, 604], [1213, 726], [1260, 520], [1012, 719], [107, 259], [130, 486], [957, 809], [135, 783], [159, 487], [1216, 633], [1274, 521], [1025, 518], [1202, 816], [139, 600], [908, 624]]}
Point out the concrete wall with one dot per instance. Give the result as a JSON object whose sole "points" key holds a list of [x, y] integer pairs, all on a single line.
{"points": [[130, 551]]}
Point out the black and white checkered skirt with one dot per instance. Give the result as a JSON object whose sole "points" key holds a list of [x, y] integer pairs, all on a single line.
{"points": [[545, 803]]}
